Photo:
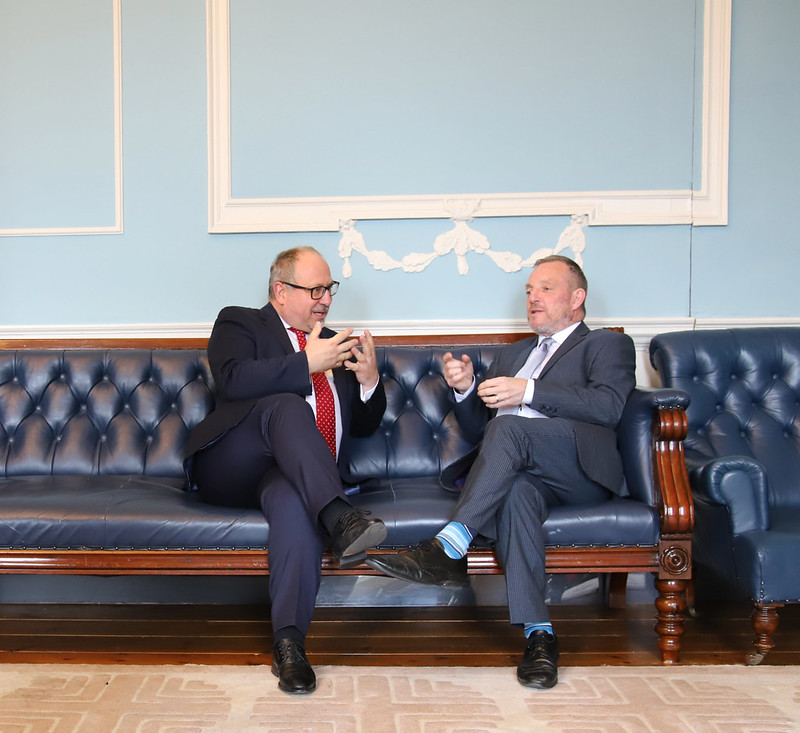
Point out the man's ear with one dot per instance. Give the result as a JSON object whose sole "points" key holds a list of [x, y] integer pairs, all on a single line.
{"points": [[279, 292], [578, 298]]}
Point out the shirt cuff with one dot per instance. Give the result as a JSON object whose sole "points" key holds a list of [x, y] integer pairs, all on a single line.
{"points": [[366, 394], [461, 397], [529, 390]]}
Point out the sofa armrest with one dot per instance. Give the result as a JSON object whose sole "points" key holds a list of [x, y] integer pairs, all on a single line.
{"points": [[635, 434], [650, 437], [737, 482]]}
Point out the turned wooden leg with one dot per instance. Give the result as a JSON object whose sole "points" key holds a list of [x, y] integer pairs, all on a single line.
{"points": [[670, 605], [765, 624]]}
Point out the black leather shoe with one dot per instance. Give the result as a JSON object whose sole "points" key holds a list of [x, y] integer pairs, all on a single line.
{"points": [[353, 534], [424, 563], [290, 666], [539, 665]]}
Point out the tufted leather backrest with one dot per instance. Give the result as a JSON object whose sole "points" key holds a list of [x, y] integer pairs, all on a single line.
{"points": [[120, 411], [130, 411], [744, 386], [419, 434]]}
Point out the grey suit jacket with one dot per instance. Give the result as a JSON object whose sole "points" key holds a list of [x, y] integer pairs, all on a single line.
{"points": [[586, 382]]}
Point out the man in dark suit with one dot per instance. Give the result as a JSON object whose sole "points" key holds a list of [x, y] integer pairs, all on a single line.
{"points": [[289, 395], [555, 402]]}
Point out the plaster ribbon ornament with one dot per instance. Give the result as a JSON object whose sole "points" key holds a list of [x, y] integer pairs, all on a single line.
{"points": [[460, 240]]}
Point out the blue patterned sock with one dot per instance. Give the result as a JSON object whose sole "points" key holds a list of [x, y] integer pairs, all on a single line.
{"points": [[529, 628], [455, 538]]}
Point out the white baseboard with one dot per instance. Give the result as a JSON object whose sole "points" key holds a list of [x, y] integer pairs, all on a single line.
{"points": [[641, 330]]}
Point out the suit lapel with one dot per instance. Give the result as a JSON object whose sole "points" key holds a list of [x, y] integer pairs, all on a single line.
{"points": [[275, 329], [572, 341], [522, 354]]}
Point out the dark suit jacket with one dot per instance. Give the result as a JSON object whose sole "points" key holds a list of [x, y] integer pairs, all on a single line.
{"points": [[251, 356], [586, 381]]}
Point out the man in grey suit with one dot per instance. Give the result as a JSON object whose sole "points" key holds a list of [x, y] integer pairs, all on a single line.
{"points": [[576, 381]]}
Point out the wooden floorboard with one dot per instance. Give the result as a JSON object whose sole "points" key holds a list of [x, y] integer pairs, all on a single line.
{"points": [[410, 636]]}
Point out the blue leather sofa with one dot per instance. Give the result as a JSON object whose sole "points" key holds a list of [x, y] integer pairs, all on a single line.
{"points": [[91, 482], [743, 456]]}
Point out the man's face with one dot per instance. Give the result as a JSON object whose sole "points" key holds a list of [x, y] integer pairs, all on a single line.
{"points": [[296, 306], [554, 299]]}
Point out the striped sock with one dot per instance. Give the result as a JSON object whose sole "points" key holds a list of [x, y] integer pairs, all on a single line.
{"points": [[455, 538], [529, 628]]}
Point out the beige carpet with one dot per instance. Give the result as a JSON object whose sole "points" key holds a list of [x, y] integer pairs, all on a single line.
{"points": [[189, 699]]}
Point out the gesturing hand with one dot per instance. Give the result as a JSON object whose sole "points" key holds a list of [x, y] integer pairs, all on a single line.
{"points": [[324, 354], [458, 373], [365, 366]]}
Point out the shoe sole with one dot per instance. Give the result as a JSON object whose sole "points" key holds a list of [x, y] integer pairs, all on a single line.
{"points": [[356, 552]]}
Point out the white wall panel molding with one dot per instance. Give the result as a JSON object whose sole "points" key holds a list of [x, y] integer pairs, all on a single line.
{"points": [[705, 206], [117, 226], [710, 203]]}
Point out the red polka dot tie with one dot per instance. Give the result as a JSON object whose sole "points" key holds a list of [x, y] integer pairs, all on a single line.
{"points": [[326, 409]]}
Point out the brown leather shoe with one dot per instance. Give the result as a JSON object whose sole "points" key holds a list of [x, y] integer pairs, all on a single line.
{"points": [[425, 563], [353, 534], [291, 667], [539, 665]]}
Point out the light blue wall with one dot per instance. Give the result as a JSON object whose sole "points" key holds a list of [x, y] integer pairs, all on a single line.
{"points": [[418, 97], [167, 268], [749, 268]]}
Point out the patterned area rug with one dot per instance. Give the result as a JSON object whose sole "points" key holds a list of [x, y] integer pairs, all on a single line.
{"points": [[188, 699]]}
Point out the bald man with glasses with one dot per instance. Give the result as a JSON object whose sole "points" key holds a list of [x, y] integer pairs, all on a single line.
{"points": [[290, 394]]}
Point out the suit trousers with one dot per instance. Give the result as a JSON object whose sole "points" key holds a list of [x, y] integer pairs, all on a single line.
{"points": [[277, 460], [524, 467]]}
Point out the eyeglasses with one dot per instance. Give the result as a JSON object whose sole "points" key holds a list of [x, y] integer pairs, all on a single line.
{"points": [[318, 291]]}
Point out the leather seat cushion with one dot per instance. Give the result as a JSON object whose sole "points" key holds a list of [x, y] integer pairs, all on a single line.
{"points": [[140, 512], [766, 561]]}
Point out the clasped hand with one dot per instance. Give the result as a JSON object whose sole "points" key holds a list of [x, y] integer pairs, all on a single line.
{"points": [[498, 392], [357, 354]]}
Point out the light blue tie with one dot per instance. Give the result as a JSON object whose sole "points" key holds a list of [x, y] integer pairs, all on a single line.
{"points": [[533, 366], [531, 369]]}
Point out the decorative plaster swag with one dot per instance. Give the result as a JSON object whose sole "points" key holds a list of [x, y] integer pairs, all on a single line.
{"points": [[460, 240]]}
